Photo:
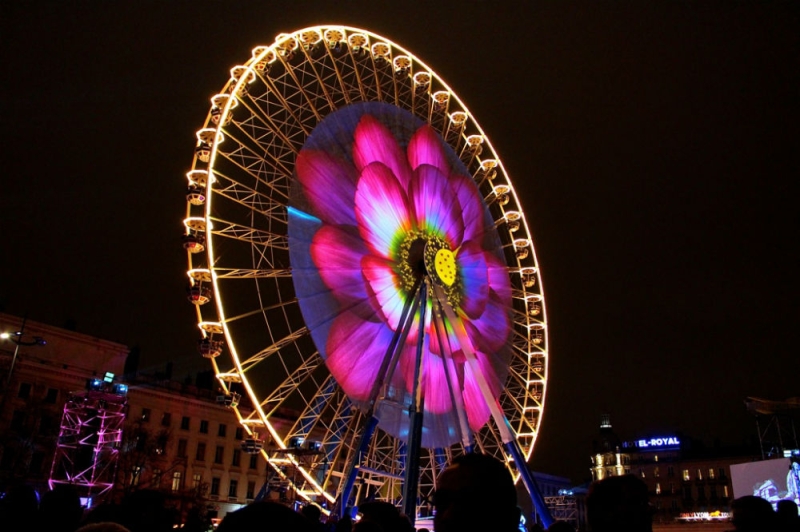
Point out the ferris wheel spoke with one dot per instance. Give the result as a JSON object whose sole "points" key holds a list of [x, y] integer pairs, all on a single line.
{"points": [[289, 385], [263, 125], [251, 152], [249, 273], [250, 235], [274, 348], [253, 200]]}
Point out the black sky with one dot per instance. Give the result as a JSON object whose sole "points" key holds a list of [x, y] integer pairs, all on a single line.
{"points": [[654, 145]]}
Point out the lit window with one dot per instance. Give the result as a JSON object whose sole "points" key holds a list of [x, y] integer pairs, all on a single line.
{"points": [[686, 475], [725, 491], [176, 481], [137, 471], [656, 472], [711, 473], [655, 458], [699, 474], [641, 472], [197, 478], [658, 488]]}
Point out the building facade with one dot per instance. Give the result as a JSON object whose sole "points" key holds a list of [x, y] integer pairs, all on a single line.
{"points": [[686, 484]]}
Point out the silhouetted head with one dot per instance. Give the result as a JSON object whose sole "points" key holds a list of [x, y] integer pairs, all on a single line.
{"points": [[266, 515], [476, 492], [619, 504], [752, 514]]}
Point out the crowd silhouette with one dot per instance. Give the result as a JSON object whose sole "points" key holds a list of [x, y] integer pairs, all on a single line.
{"points": [[474, 493]]}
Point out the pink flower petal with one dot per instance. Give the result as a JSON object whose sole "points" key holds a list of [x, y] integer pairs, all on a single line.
{"points": [[436, 208], [434, 385], [329, 184], [499, 280], [384, 288], [478, 412], [472, 264], [338, 255], [381, 209], [472, 208], [375, 143], [355, 351], [425, 147], [489, 333]]}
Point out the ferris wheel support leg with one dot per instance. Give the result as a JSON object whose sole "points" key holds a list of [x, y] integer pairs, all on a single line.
{"points": [[503, 426], [411, 473], [390, 358], [530, 483]]}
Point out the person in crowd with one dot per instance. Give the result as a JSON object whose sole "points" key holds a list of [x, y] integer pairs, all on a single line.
{"points": [[60, 509], [265, 515], [381, 517], [619, 504], [753, 514], [561, 526], [788, 518], [476, 492], [19, 508]]}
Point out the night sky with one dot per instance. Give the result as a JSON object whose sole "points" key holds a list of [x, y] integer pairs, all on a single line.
{"points": [[654, 146]]}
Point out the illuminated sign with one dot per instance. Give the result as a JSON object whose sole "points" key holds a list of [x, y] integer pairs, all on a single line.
{"points": [[661, 442], [705, 516]]}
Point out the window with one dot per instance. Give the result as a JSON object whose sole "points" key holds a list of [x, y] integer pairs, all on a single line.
{"points": [[203, 426], [239, 433], [200, 454], [672, 488], [166, 419], [145, 415], [251, 489], [218, 453], [670, 471], [674, 505], [656, 472], [655, 458], [215, 486], [197, 479], [24, 390], [711, 473], [712, 491], [699, 474], [641, 473], [701, 492], [18, 420], [725, 491], [658, 488], [253, 461], [687, 492], [182, 448], [722, 473], [233, 488], [223, 429], [237, 457], [686, 475], [185, 423], [176, 481], [52, 396], [156, 478]]}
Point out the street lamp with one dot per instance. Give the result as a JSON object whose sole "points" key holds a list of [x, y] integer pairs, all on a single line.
{"points": [[19, 339]]}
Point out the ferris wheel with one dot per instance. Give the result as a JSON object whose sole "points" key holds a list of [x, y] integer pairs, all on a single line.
{"points": [[362, 270]]}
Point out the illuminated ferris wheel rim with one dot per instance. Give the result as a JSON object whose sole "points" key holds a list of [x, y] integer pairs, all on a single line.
{"points": [[214, 135]]}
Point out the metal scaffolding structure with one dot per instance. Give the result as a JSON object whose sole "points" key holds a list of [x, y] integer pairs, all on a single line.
{"points": [[89, 440]]}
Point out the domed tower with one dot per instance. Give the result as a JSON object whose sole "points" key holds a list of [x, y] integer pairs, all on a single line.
{"points": [[607, 460]]}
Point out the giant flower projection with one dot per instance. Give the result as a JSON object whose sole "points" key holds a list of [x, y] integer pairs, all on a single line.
{"points": [[379, 200]]}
